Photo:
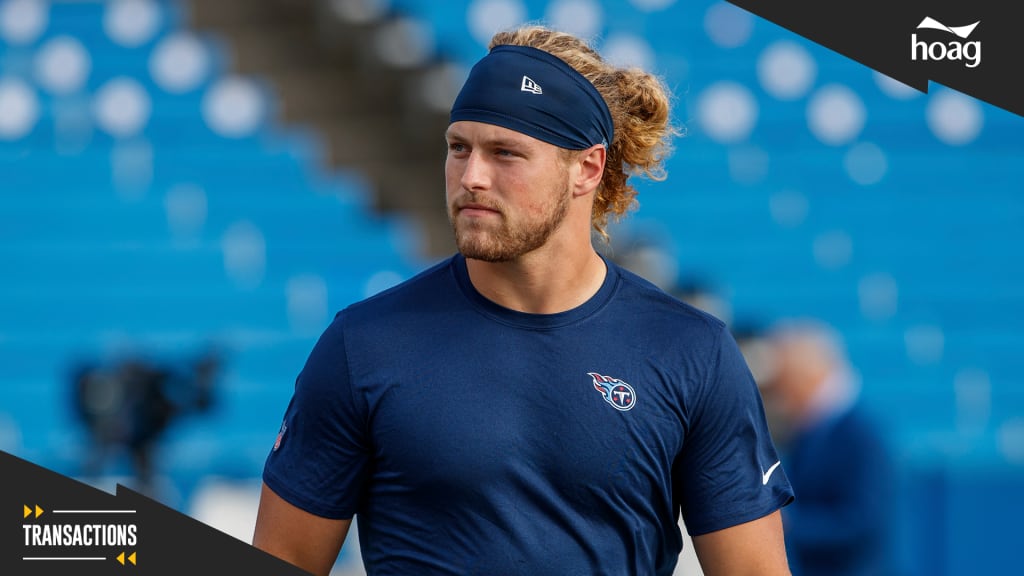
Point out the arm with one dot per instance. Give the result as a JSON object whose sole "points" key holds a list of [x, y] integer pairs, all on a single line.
{"points": [[755, 548], [310, 542]]}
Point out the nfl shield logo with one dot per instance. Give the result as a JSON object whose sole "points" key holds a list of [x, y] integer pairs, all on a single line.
{"points": [[280, 436]]}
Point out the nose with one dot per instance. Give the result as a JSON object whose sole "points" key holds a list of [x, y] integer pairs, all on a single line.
{"points": [[475, 172]]}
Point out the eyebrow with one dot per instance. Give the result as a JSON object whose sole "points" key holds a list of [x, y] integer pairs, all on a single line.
{"points": [[451, 135]]}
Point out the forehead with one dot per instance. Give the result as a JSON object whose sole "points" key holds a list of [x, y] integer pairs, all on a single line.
{"points": [[480, 132]]}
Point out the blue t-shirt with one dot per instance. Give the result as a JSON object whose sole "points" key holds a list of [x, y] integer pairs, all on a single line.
{"points": [[473, 439]]}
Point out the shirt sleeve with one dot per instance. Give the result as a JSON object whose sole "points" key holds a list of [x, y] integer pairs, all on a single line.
{"points": [[728, 471], [320, 460]]}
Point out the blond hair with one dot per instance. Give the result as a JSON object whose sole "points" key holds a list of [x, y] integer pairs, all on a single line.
{"points": [[639, 104]]}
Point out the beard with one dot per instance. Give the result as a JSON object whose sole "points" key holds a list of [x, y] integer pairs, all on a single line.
{"points": [[506, 240]]}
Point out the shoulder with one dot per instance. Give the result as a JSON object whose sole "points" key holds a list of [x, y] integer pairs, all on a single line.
{"points": [[859, 424], [405, 315], [407, 295], [658, 309]]}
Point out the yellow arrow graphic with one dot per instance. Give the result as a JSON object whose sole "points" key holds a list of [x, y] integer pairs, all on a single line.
{"points": [[39, 511], [120, 558], [132, 558], [28, 511]]}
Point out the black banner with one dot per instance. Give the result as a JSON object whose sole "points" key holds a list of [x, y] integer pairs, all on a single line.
{"points": [[54, 525], [972, 47]]}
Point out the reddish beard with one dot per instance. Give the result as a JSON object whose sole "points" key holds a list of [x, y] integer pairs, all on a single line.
{"points": [[502, 240]]}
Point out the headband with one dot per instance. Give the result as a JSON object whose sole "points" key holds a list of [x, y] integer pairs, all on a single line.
{"points": [[536, 93]]}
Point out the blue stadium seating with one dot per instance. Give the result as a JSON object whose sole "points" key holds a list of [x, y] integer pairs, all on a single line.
{"points": [[91, 262], [943, 223], [95, 268]]}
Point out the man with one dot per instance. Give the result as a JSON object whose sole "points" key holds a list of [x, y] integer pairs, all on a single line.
{"points": [[836, 457], [527, 407]]}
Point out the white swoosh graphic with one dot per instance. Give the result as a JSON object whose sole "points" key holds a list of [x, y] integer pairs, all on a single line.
{"points": [[961, 31], [768, 474]]}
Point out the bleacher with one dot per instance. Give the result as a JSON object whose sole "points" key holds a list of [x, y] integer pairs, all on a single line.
{"points": [[153, 205], [152, 200]]}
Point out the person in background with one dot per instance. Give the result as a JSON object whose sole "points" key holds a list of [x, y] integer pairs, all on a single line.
{"points": [[836, 457]]}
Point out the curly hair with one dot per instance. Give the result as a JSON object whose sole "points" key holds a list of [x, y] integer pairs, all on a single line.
{"points": [[639, 103]]}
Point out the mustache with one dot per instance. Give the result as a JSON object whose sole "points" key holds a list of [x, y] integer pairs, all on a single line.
{"points": [[470, 200]]}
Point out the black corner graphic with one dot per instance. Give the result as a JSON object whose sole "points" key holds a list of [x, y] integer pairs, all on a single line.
{"points": [[971, 47], [55, 525]]}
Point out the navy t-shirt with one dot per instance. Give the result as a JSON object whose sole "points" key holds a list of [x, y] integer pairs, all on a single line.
{"points": [[473, 439]]}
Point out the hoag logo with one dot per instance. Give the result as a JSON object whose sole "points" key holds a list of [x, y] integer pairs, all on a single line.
{"points": [[969, 52]]}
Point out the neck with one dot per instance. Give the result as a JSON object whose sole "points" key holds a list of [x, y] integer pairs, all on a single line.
{"points": [[834, 395], [538, 283]]}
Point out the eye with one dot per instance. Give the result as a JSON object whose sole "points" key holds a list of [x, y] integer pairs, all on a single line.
{"points": [[506, 153], [456, 147]]}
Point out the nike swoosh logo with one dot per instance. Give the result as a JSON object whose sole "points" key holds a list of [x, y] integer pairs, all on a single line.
{"points": [[768, 474]]}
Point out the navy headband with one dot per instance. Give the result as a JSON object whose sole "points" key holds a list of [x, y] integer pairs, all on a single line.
{"points": [[535, 93]]}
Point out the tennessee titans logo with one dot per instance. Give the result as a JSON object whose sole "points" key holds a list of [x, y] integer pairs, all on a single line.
{"points": [[615, 392]]}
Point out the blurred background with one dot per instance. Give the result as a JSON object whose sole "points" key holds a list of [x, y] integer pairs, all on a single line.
{"points": [[189, 190]]}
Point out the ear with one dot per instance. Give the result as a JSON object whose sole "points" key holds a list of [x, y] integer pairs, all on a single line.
{"points": [[591, 169]]}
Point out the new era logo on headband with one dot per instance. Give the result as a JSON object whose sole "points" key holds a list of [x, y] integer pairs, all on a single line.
{"points": [[530, 86], [576, 120]]}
